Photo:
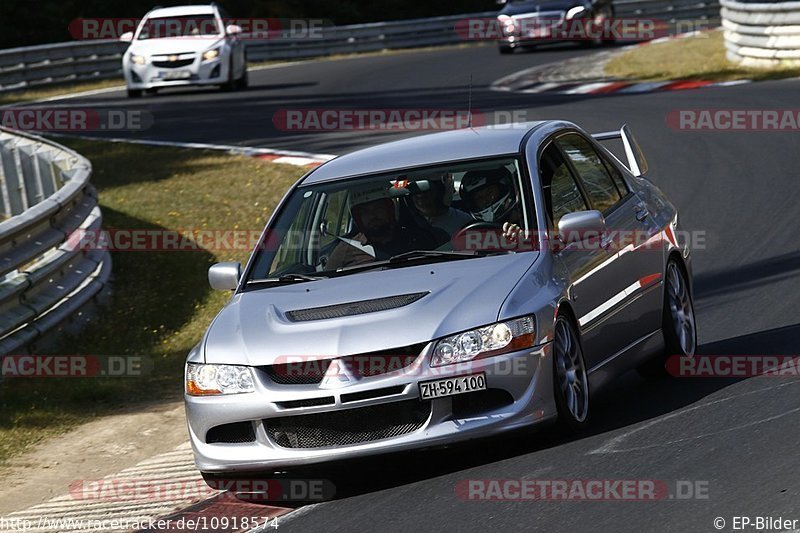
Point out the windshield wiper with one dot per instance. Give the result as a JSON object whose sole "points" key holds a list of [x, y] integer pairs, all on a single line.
{"points": [[415, 255], [422, 254], [288, 278]]}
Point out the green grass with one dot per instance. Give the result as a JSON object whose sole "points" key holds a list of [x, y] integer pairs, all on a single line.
{"points": [[693, 58], [58, 90], [160, 302]]}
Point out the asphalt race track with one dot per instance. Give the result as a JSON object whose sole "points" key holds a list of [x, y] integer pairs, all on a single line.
{"points": [[740, 190]]}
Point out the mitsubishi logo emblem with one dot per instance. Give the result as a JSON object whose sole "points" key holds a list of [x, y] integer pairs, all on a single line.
{"points": [[337, 375]]}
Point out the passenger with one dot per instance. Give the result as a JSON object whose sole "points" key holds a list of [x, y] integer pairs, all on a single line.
{"points": [[380, 236]]}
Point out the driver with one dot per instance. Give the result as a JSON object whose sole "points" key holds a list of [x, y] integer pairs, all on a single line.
{"points": [[489, 195], [380, 236], [434, 205]]}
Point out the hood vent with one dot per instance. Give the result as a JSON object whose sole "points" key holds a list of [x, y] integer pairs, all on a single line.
{"points": [[354, 308]]}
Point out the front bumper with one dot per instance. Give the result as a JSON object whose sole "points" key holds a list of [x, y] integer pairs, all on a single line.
{"points": [[523, 379], [198, 72]]}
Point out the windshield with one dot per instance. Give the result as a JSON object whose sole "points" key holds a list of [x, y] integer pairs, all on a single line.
{"points": [[182, 26], [336, 227]]}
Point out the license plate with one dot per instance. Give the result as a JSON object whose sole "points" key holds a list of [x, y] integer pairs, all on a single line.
{"points": [[452, 386], [176, 74]]}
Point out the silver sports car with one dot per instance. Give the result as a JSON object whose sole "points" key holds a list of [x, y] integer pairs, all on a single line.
{"points": [[435, 289]]}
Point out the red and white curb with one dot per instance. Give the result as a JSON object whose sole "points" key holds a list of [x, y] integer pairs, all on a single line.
{"points": [[164, 487], [621, 87]]}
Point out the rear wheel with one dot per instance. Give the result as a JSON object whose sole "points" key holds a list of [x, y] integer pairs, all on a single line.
{"points": [[504, 49], [134, 93], [678, 324], [571, 382]]}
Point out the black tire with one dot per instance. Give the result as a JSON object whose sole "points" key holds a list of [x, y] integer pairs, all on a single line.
{"points": [[506, 49], [152, 91], [569, 374], [229, 85], [242, 83], [134, 93], [681, 345]]}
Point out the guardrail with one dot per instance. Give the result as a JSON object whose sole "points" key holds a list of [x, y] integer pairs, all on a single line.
{"points": [[761, 34], [44, 279], [81, 60]]}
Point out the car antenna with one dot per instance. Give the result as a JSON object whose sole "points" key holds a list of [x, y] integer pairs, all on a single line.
{"points": [[469, 103]]}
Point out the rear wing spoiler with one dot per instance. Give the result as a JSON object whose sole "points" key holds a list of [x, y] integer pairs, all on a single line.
{"points": [[637, 163]]}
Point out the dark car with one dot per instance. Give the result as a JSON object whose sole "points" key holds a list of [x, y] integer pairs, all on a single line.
{"points": [[531, 22]]}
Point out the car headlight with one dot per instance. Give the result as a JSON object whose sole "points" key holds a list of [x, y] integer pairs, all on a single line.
{"points": [[137, 59], [210, 380], [507, 24], [208, 55], [487, 341]]}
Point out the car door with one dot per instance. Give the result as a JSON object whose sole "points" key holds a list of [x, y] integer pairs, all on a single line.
{"points": [[591, 283], [635, 264]]}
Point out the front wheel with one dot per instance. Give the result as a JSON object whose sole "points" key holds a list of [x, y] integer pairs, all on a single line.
{"points": [[134, 93], [570, 380], [678, 325], [242, 82], [505, 49]]}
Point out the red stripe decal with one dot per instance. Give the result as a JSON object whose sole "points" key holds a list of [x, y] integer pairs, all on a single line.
{"points": [[647, 280]]}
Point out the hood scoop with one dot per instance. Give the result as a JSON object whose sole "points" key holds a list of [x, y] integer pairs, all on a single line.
{"points": [[354, 308]]}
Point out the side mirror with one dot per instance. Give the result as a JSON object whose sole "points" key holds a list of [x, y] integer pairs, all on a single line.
{"points": [[233, 29], [225, 276], [126, 37], [581, 226]]}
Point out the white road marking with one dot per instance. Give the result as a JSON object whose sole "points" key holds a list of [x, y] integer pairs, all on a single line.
{"points": [[611, 445]]}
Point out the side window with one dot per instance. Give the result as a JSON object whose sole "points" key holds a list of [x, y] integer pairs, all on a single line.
{"points": [[561, 193], [602, 191], [617, 177], [293, 247], [336, 219]]}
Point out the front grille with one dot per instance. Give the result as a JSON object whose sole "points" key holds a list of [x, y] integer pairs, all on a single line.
{"points": [[173, 64], [300, 373], [370, 394], [311, 371], [350, 426], [354, 308], [237, 432], [543, 15], [309, 402]]}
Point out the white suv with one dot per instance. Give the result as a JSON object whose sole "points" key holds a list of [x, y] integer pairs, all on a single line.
{"points": [[186, 45]]}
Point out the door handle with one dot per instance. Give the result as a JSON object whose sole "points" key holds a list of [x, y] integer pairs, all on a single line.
{"points": [[641, 212]]}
